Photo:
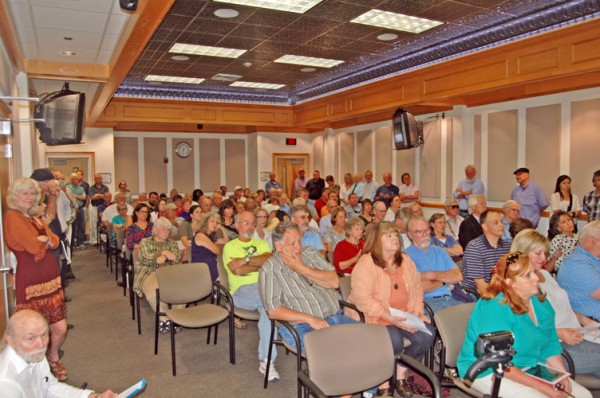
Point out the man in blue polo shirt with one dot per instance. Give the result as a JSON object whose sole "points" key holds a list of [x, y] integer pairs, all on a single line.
{"points": [[438, 271], [300, 215], [579, 273], [483, 252], [529, 195]]}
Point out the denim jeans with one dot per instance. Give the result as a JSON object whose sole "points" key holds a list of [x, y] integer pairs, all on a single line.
{"points": [[586, 356], [439, 303], [303, 328], [419, 341], [247, 297]]}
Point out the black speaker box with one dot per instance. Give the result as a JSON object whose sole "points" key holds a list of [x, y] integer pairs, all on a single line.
{"points": [[129, 5]]}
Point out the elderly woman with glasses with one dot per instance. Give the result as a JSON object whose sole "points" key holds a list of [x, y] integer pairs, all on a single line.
{"points": [[262, 220], [513, 301], [437, 224], [383, 279], [155, 251]]}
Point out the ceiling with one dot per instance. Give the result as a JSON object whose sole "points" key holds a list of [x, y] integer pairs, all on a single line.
{"points": [[93, 30]]}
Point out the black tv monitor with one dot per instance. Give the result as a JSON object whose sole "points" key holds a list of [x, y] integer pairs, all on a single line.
{"points": [[63, 115], [407, 131]]}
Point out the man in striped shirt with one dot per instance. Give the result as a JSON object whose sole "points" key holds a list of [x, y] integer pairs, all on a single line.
{"points": [[483, 252], [297, 285]]}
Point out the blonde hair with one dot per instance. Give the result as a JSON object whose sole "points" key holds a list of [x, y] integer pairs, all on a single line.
{"points": [[19, 185]]}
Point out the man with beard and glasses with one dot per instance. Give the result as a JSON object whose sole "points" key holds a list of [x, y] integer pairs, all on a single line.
{"points": [[466, 188], [24, 369], [243, 257], [438, 271], [301, 217]]}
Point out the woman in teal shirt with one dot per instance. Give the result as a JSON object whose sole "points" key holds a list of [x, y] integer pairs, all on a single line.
{"points": [[512, 301]]}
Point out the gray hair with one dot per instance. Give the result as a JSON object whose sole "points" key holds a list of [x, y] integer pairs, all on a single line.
{"points": [[449, 202], [23, 184], [416, 218], [297, 209], [204, 221], [281, 229], [351, 223], [161, 222], [591, 230], [510, 203], [472, 202]]}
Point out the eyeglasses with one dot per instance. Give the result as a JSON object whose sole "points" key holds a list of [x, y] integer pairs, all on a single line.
{"points": [[246, 223], [420, 232], [261, 217], [510, 260], [121, 208], [453, 207]]}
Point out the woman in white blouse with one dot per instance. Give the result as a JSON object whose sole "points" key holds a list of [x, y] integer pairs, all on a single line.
{"points": [[563, 199]]}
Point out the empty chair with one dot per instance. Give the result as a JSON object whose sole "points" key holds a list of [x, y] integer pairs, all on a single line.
{"points": [[183, 284]]}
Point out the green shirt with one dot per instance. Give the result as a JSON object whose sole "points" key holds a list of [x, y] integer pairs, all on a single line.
{"points": [[533, 343], [146, 261], [238, 249]]}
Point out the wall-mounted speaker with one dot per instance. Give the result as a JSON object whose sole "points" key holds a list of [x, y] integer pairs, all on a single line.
{"points": [[129, 5]]}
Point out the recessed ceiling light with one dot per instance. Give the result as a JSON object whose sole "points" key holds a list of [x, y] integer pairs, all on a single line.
{"points": [[173, 79], [226, 13], [68, 53], [308, 70], [297, 6], [391, 20], [268, 86], [247, 64], [387, 37], [310, 61], [194, 49], [180, 58]]}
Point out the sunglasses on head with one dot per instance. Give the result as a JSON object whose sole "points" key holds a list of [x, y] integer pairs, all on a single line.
{"points": [[510, 260]]}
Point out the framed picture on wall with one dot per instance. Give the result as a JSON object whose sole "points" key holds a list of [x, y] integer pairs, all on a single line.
{"points": [[264, 176], [106, 178]]}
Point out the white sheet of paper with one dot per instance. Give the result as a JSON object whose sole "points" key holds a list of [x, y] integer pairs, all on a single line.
{"points": [[591, 332], [133, 390], [411, 321]]}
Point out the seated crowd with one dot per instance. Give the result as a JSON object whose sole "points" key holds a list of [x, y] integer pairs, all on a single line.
{"points": [[284, 257]]}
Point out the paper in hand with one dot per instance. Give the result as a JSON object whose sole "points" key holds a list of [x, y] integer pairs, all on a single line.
{"points": [[412, 321]]}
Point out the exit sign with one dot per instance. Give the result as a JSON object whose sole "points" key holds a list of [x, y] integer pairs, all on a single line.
{"points": [[290, 141]]}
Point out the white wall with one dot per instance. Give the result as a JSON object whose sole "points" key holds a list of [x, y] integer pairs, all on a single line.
{"points": [[269, 143]]}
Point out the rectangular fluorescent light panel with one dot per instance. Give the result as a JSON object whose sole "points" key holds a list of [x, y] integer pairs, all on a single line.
{"points": [[309, 61], [173, 79], [268, 86], [297, 6], [181, 48], [391, 20]]}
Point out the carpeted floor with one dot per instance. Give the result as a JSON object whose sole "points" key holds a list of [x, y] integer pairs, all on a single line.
{"points": [[104, 349]]}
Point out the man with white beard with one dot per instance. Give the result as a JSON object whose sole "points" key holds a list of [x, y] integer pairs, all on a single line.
{"points": [[438, 271], [467, 187], [24, 369]]}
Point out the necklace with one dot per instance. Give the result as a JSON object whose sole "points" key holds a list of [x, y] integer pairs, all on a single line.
{"points": [[395, 278]]}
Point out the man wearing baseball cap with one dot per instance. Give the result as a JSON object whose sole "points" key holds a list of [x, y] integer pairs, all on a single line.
{"points": [[529, 195]]}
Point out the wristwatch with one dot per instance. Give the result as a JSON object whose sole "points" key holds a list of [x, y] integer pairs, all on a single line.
{"points": [[247, 259]]}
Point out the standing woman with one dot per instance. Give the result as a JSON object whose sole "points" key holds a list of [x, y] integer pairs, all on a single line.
{"points": [[385, 278], [563, 199], [140, 227], [38, 285], [512, 301], [346, 187]]}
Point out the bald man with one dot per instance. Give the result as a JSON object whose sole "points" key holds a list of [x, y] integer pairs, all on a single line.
{"points": [[24, 369]]}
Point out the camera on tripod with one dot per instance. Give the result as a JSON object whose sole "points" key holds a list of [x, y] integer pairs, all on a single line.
{"points": [[494, 343]]}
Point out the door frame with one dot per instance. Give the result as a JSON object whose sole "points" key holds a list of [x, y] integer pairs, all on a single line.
{"points": [[90, 156], [292, 155]]}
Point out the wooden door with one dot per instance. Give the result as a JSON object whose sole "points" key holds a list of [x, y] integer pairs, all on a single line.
{"points": [[287, 166]]}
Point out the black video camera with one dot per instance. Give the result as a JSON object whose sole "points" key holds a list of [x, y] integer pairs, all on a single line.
{"points": [[495, 342]]}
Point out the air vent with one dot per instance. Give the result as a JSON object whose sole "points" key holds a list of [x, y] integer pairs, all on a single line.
{"points": [[224, 77]]}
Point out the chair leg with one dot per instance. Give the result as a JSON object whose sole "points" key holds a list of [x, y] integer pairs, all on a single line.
{"points": [[216, 333], [266, 382], [208, 335], [231, 340], [173, 360], [139, 316]]}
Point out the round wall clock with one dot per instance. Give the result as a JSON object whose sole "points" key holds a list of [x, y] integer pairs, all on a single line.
{"points": [[183, 149]]}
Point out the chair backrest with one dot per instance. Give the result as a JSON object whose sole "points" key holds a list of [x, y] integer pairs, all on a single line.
{"points": [[184, 283], [223, 277], [345, 286], [451, 324], [120, 233], [345, 359]]}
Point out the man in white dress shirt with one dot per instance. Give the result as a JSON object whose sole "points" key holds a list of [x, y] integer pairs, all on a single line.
{"points": [[24, 369]]}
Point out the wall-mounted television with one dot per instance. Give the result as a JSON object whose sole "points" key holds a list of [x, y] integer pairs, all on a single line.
{"points": [[63, 113], [407, 131]]}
